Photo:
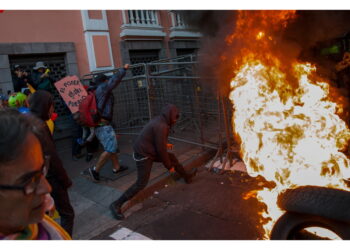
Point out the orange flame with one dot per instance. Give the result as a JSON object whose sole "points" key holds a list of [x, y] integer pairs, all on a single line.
{"points": [[290, 132]]}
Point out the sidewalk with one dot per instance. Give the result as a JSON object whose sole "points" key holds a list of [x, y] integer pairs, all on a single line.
{"points": [[91, 200]]}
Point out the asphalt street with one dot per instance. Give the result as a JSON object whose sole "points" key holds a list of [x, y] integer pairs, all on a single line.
{"points": [[211, 208]]}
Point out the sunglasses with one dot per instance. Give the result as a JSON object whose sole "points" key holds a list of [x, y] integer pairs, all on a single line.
{"points": [[33, 183]]}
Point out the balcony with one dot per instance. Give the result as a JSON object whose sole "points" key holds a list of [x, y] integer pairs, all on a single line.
{"points": [[141, 23], [179, 28]]}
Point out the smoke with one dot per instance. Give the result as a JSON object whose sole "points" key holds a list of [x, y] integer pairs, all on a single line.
{"points": [[311, 27], [214, 25], [306, 31], [321, 29], [209, 22]]}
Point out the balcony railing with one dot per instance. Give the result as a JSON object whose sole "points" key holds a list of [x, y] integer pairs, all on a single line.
{"points": [[178, 21], [142, 18], [180, 28]]}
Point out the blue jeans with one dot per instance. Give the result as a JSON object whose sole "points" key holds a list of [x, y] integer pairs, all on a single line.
{"points": [[106, 136]]}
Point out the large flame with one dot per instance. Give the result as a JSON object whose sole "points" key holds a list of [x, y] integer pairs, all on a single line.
{"points": [[289, 130]]}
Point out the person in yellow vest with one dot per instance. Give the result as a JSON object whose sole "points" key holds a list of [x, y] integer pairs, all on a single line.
{"points": [[24, 190]]}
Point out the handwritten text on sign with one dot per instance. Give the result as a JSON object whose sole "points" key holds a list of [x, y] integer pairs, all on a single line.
{"points": [[72, 92]]}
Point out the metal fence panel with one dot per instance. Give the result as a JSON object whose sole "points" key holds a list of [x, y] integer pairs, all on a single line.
{"points": [[140, 98]]}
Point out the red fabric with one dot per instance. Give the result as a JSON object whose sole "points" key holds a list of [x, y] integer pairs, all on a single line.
{"points": [[88, 111], [54, 116]]}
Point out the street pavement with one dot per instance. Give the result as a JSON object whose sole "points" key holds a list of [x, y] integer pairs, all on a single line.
{"points": [[91, 200], [211, 208]]}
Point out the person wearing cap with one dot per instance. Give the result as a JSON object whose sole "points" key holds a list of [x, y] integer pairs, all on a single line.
{"points": [[20, 78], [41, 78], [105, 132]]}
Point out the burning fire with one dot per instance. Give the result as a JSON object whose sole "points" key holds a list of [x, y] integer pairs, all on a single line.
{"points": [[289, 129]]}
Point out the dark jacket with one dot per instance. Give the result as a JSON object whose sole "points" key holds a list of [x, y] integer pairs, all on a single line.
{"points": [[21, 82], [44, 83], [39, 105], [104, 95], [153, 139]]}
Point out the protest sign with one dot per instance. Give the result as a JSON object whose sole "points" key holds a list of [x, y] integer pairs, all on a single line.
{"points": [[71, 91]]}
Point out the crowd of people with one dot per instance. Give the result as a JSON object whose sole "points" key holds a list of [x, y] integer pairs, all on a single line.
{"points": [[33, 181]]}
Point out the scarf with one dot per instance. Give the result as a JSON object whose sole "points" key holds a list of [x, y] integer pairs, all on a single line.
{"points": [[47, 229]]}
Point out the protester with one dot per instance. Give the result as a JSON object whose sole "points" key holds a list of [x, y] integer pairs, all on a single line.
{"points": [[21, 78], [76, 147], [105, 132], [17, 100], [91, 145], [24, 190], [151, 145], [41, 106], [82, 136], [3, 101], [41, 77]]}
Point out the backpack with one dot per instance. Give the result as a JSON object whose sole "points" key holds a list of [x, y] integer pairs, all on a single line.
{"points": [[88, 114]]}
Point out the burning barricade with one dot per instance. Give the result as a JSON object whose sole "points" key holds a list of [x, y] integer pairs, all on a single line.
{"points": [[286, 118]]}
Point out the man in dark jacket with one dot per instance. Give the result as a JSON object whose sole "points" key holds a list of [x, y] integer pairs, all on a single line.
{"points": [[41, 77], [151, 145], [105, 132], [20, 79], [41, 106]]}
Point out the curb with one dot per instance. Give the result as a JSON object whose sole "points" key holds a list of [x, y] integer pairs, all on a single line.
{"points": [[159, 182]]}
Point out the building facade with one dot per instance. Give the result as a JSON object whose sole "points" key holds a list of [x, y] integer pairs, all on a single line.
{"points": [[73, 42], [78, 42]]}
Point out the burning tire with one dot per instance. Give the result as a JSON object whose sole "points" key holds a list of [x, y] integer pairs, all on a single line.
{"points": [[316, 207], [290, 226], [320, 201]]}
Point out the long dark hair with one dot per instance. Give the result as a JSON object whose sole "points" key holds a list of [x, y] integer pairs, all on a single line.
{"points": [[14, 129], [40, 103]]}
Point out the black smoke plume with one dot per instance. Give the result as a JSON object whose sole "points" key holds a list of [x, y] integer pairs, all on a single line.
{"points": [[303, 39], [309, 29]]}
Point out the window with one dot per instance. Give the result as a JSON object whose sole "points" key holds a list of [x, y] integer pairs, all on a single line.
{"points": [[142, 56]]}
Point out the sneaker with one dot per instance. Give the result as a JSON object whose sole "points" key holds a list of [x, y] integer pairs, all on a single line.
{"points": [[94, 175], [116, 211], [189, 177], [121, 169]]}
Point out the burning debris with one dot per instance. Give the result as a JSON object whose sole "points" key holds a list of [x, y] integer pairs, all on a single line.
{"points": [[285, 115], [220, 166], [290, 131]]}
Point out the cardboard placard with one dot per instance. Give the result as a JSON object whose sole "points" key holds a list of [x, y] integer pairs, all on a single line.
{"points": [[71, 91]]}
